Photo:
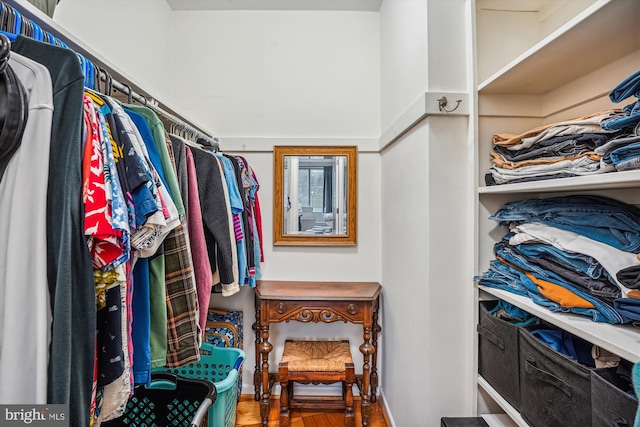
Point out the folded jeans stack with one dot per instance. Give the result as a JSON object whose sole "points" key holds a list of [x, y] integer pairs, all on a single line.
{"points": [[571, 253]]}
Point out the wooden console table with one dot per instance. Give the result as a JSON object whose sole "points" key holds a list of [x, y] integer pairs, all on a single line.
{"points": [[326, 302]]}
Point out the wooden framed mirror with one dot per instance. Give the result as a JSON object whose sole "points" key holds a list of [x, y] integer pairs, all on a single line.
{"points": [[314, 195]]}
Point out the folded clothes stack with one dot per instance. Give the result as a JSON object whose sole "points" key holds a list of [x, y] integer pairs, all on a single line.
{"points": [[573, 254], [601, 142]]}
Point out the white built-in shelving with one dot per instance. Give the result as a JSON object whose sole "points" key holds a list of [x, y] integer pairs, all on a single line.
{"points": [[541, 62]]}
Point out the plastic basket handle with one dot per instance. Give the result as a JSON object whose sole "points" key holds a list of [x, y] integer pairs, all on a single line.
{"points": [[165, 376], [202, 411], [207, 347], [212, 394], [238, 363]]}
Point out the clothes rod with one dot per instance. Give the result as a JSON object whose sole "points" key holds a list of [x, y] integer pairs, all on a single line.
{"points": [[119, 80], [143, 100]]}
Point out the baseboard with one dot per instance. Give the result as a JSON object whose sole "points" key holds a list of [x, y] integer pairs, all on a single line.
{"points": [[386, 412]]}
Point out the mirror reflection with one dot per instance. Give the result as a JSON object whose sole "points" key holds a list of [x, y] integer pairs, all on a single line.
{"points": [[315, 193]]}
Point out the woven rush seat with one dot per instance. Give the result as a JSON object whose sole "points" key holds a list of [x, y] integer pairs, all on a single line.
{"points": [[316, 362], [317, 356]]}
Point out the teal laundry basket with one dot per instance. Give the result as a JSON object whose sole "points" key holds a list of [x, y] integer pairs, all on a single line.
{"points": [[219, 365]]}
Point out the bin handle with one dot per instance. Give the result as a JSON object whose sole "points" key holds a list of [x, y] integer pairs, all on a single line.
{"points": [[547, 377], [618, 420], [490, 336]]}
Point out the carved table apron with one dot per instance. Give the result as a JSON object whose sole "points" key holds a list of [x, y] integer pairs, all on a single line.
{"points": [[326, 302]]}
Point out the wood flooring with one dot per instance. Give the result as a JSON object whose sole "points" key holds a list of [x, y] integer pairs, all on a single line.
{"points": [[248, 415]]}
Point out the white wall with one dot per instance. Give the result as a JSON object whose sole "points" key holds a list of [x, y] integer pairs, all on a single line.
{"points": [[133, 35], [405, 252], [277, 73], [427, 193], [403, 56]]}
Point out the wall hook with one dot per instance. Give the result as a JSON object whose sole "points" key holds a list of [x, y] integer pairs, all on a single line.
{"points": [[442, 103]]}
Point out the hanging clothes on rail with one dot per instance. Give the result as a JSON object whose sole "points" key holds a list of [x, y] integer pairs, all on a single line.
{"points": [[69, 271], [25, 316], [113, 235]]}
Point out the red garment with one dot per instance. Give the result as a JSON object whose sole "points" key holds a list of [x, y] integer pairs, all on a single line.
{"points": [[258, 215], [105, 242], [201, 266]]}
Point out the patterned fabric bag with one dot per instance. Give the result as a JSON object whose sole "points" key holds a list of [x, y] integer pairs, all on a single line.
{"points": [[224, 329]]}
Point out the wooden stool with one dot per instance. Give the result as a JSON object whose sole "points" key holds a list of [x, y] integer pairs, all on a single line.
{"points": [[316, 362]]}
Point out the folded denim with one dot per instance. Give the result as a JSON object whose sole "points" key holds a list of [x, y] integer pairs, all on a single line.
{"points": [[600, 218], [599, 288], [490, 181], [501, 276], [568, 130], [629, 277], [577, 299], [625, 122], [616, 144], [514, 140], [498, 161], [507, 278], [580, 167], [577, 262], [630, 86], [628, 165], [620, 140], [628, 307], [626, 152], [612, 259], [559, 146]]}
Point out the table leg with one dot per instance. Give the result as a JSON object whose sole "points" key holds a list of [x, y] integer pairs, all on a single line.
{"points": [[265, 349], [367, 350], [257, 372], [374, 358]]}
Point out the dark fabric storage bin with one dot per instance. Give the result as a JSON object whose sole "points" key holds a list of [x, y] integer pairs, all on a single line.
{"points": [[463, 422], [610, 404], [555, 391], [498, 361]]}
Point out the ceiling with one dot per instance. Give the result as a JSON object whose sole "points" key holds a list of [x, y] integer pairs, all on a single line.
{"points": [[357, 5]]}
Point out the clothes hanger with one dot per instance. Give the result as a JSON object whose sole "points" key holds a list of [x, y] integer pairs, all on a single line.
{"points": [[26, 28], [91, 73], [96, 77], [8, 19], [108, 83], [5, 49], [17, 23], [129, 93], [38, 34]]}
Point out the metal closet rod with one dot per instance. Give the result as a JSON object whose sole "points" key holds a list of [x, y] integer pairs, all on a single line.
{"points": [[29, 13], [149, 103]]}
